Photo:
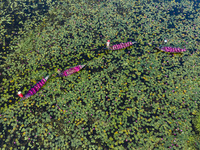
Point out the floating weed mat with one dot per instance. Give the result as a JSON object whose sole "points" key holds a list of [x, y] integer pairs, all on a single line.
{"points": [[134, 98]]}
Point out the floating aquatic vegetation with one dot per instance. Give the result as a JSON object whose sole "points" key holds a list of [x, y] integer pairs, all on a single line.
{"points": [[70, 71], [34, 89], [122, 99]]}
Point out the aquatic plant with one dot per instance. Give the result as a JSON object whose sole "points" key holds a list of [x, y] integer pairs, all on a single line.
{"points": [[70, 71], [171, 49], [135, 98], [120, 46], [34, 89]]}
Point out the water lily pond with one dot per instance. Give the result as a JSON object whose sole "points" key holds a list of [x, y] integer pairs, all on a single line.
{"points": [[138, 97]]}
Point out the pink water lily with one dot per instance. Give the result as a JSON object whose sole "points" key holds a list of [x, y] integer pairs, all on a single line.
{"points": [[34, 89], [120, 46], [171, 49], [70, 70]]}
